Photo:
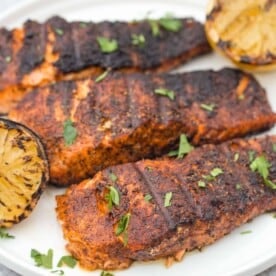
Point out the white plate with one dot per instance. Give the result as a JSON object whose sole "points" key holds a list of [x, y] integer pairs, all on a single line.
{"points": [[235, 254]]}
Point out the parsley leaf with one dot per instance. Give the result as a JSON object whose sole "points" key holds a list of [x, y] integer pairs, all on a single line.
{"points": [[59, 31], [138, 40], [107, 45], [208, 107], [102, 76], [69, 132], [251, 155], [113, 177], [5, 235], [170, 24], [123, 224], [112, 197], [155, 30], [201, 184], [67, 260], [213, 174], [147, 197], [165, 92], [58, 272], [167, 200], [184, 146], [261, 165], [246, 232], [44, 260], [106, 273]]}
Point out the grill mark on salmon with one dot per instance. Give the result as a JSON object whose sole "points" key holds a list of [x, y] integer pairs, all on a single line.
{"points": [[90, 231], [43, 53], [109, 132]]}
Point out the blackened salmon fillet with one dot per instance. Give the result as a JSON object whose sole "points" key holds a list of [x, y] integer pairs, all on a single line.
{"points": [[41, 53], [122, 119], [165, 208]]}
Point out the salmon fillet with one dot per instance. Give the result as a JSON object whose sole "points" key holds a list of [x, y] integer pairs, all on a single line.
{"points": [[196, 215], [122, 119], [42, 53]]}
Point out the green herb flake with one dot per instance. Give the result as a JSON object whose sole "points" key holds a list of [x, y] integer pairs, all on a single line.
{"points": [[68, 261], [106, 273], [83, 24], [251, 155], [216, 172], [44, 260], [58, 272], [155, 29], [69, 132], [167, 200], [261, 165], [274, 147], [147, 197], [59, 31], [102, 76], [112, 197], [165, 92], [170, 24], [123, 224], [113, 177], [236, 157], [138, 40], [201, 184], [173, 153], [208, 107], [238, 186], [246, 232], [8, 59], [107, 45], [184, 146], [5, 235], [270, 184]]}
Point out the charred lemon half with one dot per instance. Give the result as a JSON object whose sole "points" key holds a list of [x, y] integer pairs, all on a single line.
{"points": [[245, 31], [24, 172]]}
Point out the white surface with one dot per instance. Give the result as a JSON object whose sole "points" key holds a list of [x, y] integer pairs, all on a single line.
{"points": [[233, 255]]}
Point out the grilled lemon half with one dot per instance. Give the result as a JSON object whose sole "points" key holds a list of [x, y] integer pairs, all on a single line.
{"points": [[24, 172], [245, 31]]}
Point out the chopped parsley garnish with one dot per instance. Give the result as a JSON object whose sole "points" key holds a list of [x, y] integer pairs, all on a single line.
{"points": [[201, 184], [274, 147], [58, 272], [106, 273], [213, 174], [59, 31], [68, 261], [8, 59], [123, 224], [261, 165], [251, 155], [167, 200], [69, 132], [102, 76], [83, 24], [107, 45], [165, 92], [112, 197], [138, 40], [208, 107], [147, 197], [44, 260], [5, 235], [170, 24], [155, 30], [246, 232], [113, 177], [238, 186], [236, 157], [183, 148]]}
